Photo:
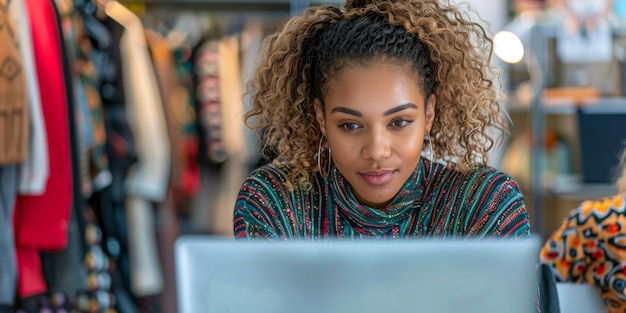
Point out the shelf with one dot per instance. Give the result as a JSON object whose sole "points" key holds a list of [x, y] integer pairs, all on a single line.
{"points": [[558, 107], [583, 191], [562, 105]]}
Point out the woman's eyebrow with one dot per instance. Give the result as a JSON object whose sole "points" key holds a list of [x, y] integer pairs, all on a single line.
{"points": [[347, 111], [388, 112], [400, 108]]}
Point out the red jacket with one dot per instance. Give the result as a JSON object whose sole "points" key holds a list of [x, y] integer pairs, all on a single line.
{"points": [[41, 222]]}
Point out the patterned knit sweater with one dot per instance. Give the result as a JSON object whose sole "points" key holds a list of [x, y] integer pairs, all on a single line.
{"points": [[438, 202]]}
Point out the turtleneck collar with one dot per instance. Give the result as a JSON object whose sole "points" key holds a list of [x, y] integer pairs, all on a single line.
{"points": [[372, 221]]}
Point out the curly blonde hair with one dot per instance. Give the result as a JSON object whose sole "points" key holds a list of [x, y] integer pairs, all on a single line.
{"points": [[457, 71]]}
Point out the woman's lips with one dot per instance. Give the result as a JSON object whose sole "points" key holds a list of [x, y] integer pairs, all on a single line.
{"points": [[378, 177]]}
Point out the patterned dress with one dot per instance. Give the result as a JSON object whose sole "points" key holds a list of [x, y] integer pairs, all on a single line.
{"points": [[590, 247], [434, 202]]}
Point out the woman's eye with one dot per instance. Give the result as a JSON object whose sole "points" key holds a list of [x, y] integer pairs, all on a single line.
{"points": [[349, 126], [400, 123]]}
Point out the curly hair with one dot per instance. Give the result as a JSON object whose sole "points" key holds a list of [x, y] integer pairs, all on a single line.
{"points": [[450, 53]]}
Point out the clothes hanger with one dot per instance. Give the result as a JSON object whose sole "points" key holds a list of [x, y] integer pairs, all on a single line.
{"points": [[156, 21], [100, 8], [185, 32], [97, 32]]}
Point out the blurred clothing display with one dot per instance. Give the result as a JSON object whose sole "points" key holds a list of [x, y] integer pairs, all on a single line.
{"points": [[8, 267], [121, 138], [41, 221], [14, 104], [33, 173]]}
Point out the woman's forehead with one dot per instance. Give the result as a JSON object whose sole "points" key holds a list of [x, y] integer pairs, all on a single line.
{"points": [[376, 87]]}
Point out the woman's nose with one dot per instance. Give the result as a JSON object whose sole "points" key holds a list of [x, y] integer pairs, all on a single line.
{"points": [[377, 146]]}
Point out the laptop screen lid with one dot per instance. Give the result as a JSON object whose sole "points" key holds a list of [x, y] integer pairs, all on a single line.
{"points": [[220, 276]]}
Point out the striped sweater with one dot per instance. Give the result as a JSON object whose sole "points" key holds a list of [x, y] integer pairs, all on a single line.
{"points": [[438, 202]]}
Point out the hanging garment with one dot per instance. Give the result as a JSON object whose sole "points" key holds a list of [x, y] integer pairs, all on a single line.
{"points": [[252, 43], [64, 270], [8, 268], [231, 94], [146, 274], [209, 102], [149, 177], [185, 172], [95, 292], [47, 304], [34, 171], [111, 217], [84, 134], [109, 203], [212, 208], [91, 134], [13, 147], [167, 233], [98, 293], [14, 121], [184, 108], [41, 222], [235, 169], [165, 72], [184, 175], [31, 304]]}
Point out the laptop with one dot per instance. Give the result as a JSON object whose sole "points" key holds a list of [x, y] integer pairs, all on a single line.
{"points": [[472, 276], [579, 298]]}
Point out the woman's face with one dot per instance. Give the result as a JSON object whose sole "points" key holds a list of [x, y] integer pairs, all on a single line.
{"points": [[375, 119]]}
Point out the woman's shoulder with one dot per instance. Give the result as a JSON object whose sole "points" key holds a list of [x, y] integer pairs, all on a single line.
{"points": [[484, 177], [270, 173], [493, 202], [268, 205], [271, 180]]}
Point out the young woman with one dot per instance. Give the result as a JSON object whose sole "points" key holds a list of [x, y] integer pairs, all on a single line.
{"points": [[382, 114]]}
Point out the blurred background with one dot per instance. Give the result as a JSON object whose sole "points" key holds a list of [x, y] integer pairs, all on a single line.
{"points": [[121, 130]]}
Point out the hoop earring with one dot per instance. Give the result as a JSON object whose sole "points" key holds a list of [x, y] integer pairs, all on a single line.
{"points": [[330, 157], [319, 157], [432, 158]]}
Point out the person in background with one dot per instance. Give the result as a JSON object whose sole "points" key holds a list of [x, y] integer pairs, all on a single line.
{"points": [[352, 99], [586, 51], [589, 246]]}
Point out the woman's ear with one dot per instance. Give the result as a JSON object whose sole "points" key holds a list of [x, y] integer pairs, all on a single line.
{"points": [[319, 115], [430, 112]]}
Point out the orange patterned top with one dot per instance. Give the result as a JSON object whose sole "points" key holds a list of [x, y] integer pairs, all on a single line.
{"points": [[590, 247]]}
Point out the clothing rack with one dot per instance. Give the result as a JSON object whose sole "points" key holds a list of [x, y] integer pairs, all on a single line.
{"points": [[217, 5], [294, 7]]}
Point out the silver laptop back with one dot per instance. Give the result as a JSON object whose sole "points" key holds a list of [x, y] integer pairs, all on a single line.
{"points": [[227, 276]]}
